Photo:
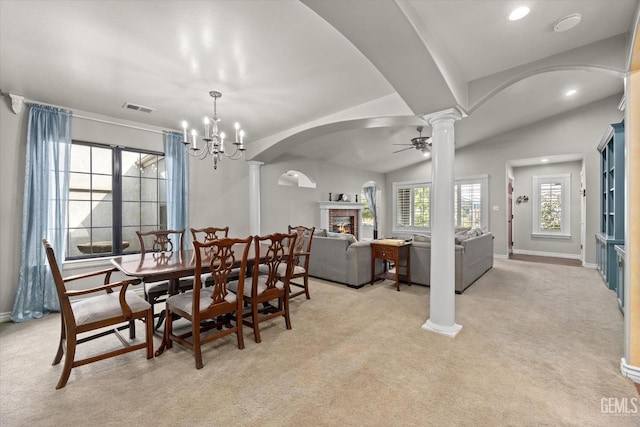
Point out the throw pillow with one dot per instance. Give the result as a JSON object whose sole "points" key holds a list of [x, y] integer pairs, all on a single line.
{"points": [[321, 232], [461, 236]]}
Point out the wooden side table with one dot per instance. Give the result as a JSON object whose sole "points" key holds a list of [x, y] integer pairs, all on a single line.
{"points": [[391, 250]]}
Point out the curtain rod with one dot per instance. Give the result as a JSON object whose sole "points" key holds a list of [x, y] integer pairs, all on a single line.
{"points": [[16, 99]]}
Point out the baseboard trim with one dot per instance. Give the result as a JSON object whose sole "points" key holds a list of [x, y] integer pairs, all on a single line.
{"points": [[630, 371], [502, 256], [5, 317], [549, 254]]}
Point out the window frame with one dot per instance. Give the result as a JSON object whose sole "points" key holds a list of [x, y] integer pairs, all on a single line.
{"points": [[483, 180], [565, 221], [116, 199]]}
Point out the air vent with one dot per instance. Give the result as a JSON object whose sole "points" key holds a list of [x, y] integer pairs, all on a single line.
{"points": [[136, 107]]}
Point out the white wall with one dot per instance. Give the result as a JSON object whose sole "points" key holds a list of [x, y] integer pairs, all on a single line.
{"points": [[523, 212], [578, 131]]}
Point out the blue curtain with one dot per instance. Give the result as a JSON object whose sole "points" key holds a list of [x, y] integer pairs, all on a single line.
{"points": [[46, 189], [177, 165], [370, 194]]}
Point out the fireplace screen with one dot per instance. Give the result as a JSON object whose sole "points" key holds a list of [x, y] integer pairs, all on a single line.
{"points": [[342, 224]]}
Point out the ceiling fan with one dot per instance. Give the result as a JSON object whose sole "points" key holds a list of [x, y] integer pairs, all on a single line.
{"points": [[420, 143]]}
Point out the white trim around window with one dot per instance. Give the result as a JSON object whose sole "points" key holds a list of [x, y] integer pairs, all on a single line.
{"points": [[463, 203], [547, 188]]}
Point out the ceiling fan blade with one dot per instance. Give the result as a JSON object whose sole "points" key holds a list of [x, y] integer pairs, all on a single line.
{"points": [[403, 149]]}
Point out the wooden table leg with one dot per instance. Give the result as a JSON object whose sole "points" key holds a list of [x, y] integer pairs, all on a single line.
{"points": [[173, 289]]}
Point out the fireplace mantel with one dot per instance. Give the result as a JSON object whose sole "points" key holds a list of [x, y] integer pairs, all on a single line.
{"points": [[341, 205]]}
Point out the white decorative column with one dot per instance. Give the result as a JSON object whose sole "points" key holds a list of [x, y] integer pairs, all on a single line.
{"points": [[254, 197], [442, 313]]}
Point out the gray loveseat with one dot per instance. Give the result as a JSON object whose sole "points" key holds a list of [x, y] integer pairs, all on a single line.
{"points": [[474, 256], [340, 258]]}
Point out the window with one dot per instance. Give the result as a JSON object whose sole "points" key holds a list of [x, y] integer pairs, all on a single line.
{"points": [[469, 208], [367, 215], [412, 203], [412, 207], [551, 203], [113, 192]]}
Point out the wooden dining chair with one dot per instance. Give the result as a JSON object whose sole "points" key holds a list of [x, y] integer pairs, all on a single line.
{"points": [[204, 307], [300, 260], [271, 251], [160, 242], [93, 313], [208, 234]]}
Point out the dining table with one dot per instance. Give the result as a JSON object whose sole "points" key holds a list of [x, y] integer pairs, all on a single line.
{"points": [[171, 266]]}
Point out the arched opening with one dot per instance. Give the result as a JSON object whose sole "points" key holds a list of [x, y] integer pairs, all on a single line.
{"points": [[294, 178]]}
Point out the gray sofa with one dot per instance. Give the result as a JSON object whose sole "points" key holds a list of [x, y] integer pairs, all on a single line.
{"points": [[340, 258], [474, 256]]}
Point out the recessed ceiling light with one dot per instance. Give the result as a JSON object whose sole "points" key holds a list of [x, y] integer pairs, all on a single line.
{"points": [[567, 23], [570, 92], [544, 160], [518, 13]]}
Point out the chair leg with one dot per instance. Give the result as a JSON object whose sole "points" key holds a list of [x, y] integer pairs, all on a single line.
{"points": [[239, 328], [287, 319], [63, 337], [254, 318], [68, 362], [168, 330], [306, 286], [149, 333], [197, 348], [132, 329]]}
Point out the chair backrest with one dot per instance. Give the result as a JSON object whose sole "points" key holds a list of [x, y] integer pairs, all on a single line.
{"points": [[161, 241], [271, 251], [208, 234], [302, 245], [220, 257]]}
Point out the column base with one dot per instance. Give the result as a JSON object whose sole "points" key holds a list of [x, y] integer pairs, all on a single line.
{"points": [[449, 331], [630, 371]]}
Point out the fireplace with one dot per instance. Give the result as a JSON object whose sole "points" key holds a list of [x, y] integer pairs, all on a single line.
{"points": [[341, 217], [341, 224]]}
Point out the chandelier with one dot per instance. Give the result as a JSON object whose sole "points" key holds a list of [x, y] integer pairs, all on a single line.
{"points": [[214, 140]]}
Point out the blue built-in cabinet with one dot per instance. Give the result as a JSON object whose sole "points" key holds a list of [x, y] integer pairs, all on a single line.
{"points": [[611, 233]]}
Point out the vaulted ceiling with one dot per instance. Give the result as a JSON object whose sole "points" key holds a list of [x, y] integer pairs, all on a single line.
{"points": [[333, 81]]}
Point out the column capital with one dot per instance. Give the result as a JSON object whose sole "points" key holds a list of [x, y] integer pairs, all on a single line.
{"points": [[448, 115], [255, 163]]}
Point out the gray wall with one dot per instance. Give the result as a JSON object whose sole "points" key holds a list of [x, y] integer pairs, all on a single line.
{"points": [[283, 205], [523, 212], [577, 132]]}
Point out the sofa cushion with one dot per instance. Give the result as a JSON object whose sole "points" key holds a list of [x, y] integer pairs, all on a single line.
{"points": [[350, 238], [321, 232], [421, 237]]}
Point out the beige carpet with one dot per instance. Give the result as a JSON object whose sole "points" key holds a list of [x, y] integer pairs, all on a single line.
{"points": [[540, 345]]}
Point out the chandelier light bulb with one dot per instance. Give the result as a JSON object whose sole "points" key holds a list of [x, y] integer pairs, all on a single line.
{"points": [[184, 132], [222, 136], [194, 133]]}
